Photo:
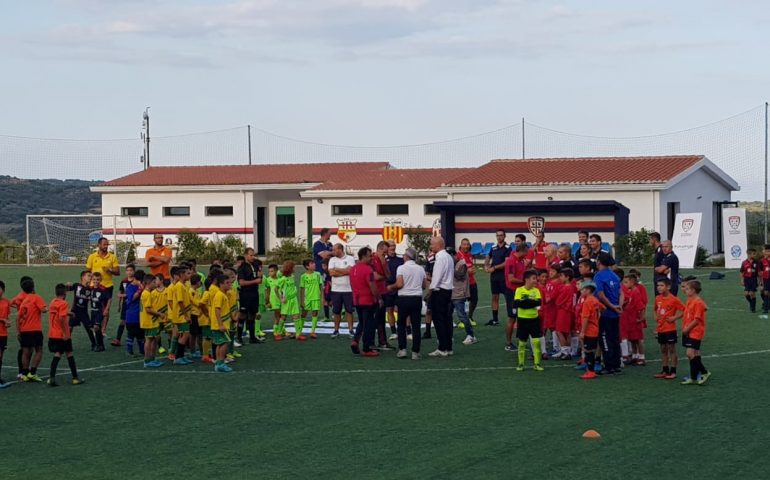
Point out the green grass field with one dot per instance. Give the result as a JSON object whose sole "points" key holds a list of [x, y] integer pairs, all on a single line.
{"points": [[294, 410]]}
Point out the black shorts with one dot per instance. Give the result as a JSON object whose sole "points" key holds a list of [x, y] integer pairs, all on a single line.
{"points": [[590, 343], [498, 286], [389, 300], [3, 343], [249, 304], [750, 284], [96, 318], [528, 327], [688, 342], [108, 292], [766, 285], [135, 331], [340, 299], [474, 298], [58, 345], [80, 317], [195, 329], [31, 339], [667, 338]]}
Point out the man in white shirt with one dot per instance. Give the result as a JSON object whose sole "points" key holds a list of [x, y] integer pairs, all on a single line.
{"points": [[341, 294], [410, 280], [441, 284]]}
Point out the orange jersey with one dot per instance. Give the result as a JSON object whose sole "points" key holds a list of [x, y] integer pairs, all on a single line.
{"points": [[30, 318], [591, 310], [695, 311], [16, 302], [5, 312], [665, 309], [58, 325]]}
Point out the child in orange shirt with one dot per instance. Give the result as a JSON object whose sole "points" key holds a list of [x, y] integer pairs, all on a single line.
{"points": [[668, 309], [589, 332], [30, 326], [59, 336], [5, 312], [693, 331]]}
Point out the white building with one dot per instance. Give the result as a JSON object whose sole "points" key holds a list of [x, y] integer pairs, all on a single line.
{"points": [[361, 202]]}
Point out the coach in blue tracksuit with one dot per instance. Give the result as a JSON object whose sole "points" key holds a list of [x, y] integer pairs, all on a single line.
{"points": [[608, 292]]}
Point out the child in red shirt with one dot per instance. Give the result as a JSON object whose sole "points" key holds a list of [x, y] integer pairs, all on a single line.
{"points": [[59, 336], [565, 312], [5, 312], [30, 326], [547, 283], [693, 331]]}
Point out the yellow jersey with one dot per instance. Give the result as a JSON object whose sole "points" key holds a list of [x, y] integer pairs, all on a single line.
{"points": [[232, 297], [182, 302], [96, 263], [195, 298], [160, 302], [145, 319], [219, 301], [204, 303]]}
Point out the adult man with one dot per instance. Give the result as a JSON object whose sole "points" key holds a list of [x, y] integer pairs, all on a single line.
{"points": [[106, 264], [495, 265], [536, 255], [441, 284], [515, 266], [564, 254], [393, 261], [595, 243], [158, 258], [669, 266], [582, 237], [381, 273], [608, 292], [473, 300], [366, 297], [249, 279], [341, 293], [658, 257], [410, 280], [322, 249]]}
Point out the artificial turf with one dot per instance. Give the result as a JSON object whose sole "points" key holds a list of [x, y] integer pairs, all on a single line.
{"points": [[293, 410]]}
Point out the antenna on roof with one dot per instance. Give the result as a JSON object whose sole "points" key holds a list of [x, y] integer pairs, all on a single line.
{"points": [[145, 136]]}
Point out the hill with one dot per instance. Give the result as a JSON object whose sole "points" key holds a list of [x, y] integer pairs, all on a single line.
{"points": [[20, 197]]}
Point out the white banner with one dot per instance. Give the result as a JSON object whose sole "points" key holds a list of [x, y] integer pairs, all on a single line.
{"points": [[685, 238], [734, 235]]}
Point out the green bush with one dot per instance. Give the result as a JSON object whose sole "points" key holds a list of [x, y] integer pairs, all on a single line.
{"points": [[225, 250], [12, 251], [634, 248], [191, 246], [418, 239], [294, 249], [701, 255]]}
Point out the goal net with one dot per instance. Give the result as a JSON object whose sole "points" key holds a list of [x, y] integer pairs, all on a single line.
{"points": [[70, 239]]}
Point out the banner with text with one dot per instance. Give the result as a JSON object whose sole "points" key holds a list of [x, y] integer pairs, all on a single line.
{"points": [[734, 235], [685, 238]]}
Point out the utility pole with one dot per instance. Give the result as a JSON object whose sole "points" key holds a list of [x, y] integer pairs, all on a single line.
{"points": [[523, 150], [146, 138]]}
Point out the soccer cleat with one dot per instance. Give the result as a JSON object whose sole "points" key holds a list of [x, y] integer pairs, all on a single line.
{"points": [[438, 354], [510, 348], [670, 376], [385, 347], [660, 375], [153, 364], [229, 359], [21, 377], [222, 368], [598, 368], [354, 347], [370, 353], [78, 381], [162, 350], [582, 366], [237, 344], [703, 378], [352, 334], [589, 375], [196, 354], [261, 334], [449, 353], [460, 324], [335, 334], [277, 337], [688, 381], [492, 323], [393, 336], [207, 359], [520, 368], [314, 335], [416, 356], [33, 377], [409, 337], [538, 368], [237, 354], [115, 343], [171, 357], [401, 354], [473, 322], [52, 383], [301, 338], [181, 361], [470, 340]]}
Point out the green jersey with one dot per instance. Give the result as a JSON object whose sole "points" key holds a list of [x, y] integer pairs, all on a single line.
{"points": [[288, 288], [527, 294], [311, 283], [273, 284]]}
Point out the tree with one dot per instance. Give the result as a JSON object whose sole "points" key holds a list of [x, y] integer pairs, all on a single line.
{"points": [[419, 239]]}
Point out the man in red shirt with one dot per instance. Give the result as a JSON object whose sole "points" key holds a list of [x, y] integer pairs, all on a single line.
{"points": [[465, 254], [379, 265], [366, 299], [514, 278], [536, 255], [30, 327]]}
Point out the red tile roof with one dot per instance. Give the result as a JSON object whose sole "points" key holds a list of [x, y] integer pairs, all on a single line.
{"points": [[245, 174], [394, 179], [577, 171]]}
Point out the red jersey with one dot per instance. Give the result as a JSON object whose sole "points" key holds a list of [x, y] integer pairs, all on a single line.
{"points": [[643, 297], [695, 311], [764, 267], [536, 255], [468, 259], [5, 312], [379, 266], [632, 303], [361, 275], [749, 268], [58, 325], [514, 265], [30, 317]]}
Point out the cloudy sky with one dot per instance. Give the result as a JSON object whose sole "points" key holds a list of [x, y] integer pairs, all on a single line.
{"points": [[378, 72]]}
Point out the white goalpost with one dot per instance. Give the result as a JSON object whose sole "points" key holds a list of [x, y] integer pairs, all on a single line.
{"points": [[70, 239]]}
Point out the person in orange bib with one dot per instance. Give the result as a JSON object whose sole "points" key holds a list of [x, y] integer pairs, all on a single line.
{"points": [[668, 309], [693, 331]]}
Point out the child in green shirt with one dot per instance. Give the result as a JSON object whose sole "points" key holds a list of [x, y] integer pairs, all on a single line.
{"points": [[310, 285], [527, 301]]}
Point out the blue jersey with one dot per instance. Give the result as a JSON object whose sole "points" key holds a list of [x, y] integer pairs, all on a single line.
{"points": [[131, 305], [497, 256], [319, 247], [606, 281]]}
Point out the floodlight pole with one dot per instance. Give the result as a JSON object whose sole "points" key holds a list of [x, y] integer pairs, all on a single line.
{"points": [[146, 118], [765, 172]]}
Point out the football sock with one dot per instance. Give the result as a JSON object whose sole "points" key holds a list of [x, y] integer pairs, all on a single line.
{"points": [[207, 347], [179, 350], [701, 368], [326, 312], [624, 348], [33, 370], [140, 342], [590, 358], [314, 322], [130, 345], [494, 316], [765, 303], [99, 337], [694, 369], [540, 345], [555, 341], [282, 327], [121, 327], [672, 370], [522, 353], [18, 361], [174, 345], [574, 343], [73, 367], [665, 369], [239, 331], [54, 364], [536, 345], [753, 304], [299, 324]]}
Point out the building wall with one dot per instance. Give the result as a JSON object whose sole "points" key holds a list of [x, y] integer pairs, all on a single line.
{"points": [[696, 193], [369, 225]]}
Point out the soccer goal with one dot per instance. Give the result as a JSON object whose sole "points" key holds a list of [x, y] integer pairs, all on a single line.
{"points": [[70, 239]]}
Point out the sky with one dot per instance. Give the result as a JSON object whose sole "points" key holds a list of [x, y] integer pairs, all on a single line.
{"points": [[378, 72]]}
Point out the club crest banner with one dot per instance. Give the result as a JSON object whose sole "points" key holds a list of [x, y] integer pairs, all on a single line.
{"points": [[685, 238], [734, 236]]}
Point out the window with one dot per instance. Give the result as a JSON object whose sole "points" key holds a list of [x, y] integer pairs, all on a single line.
{"points": [[176, 211], [134, 211], [347, 209], [284, 222], [219, 211], [395, 209], [431, 209]]}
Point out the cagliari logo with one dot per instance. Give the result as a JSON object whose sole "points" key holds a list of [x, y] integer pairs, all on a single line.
{"points": [[734, 221], [536, 225], [687, 224]]}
